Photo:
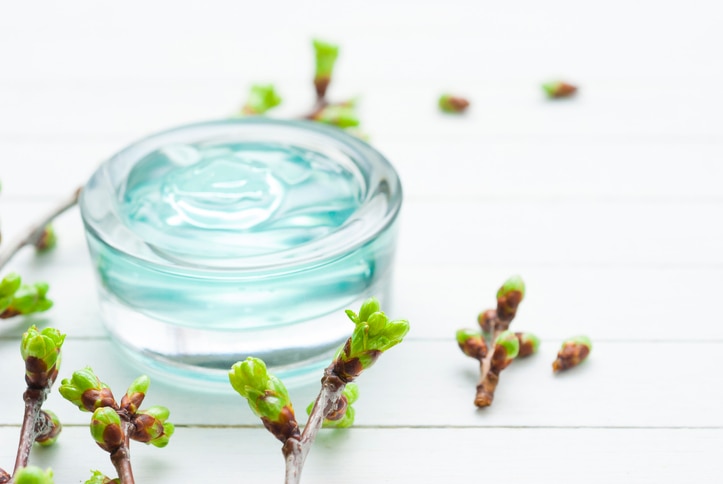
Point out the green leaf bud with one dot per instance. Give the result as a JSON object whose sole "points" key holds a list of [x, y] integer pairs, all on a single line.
{"points": [[10, 284], [513, 284], [50, 428], [509, 297], [529, 344], [47, 240], [29, 298], [262, 97], [352, 315], [99, 478], [573, 352], [508, 340], [465, 333], [326, 55], [33, 475], [471, 343], [266, 394], [376, 321], [351, 392], [86, 391], [136, 393], [151, 426], [342, 115], [41, 352], [107, 429], [368, 307], [343, 416], [452, 104], [580, 340], [558, 89]]}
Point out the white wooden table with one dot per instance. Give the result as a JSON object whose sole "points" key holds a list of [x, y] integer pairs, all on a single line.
{"points": [[609, 205]]}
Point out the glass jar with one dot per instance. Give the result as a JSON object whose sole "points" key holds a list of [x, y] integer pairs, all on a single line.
{"points": [[242, 237]]}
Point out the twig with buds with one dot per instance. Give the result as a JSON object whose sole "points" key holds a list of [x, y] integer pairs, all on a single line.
{"points": [[41, 352], [114, 425], [39, 234], [268, 398], [263, 97], [495, 334]]}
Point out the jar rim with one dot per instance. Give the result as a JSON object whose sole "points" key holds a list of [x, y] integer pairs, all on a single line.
{"points": [[382, 187]]}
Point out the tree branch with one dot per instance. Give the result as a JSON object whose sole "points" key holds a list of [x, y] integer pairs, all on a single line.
{"points": [[33, 233]]}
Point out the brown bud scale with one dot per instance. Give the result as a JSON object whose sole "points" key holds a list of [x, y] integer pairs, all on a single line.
{"points": [[286, 427], [474, 347], [564, 90], [572, 354], [507, 309], [338, 412], [526, 347], [487, 319], [112, 438], [37, 373], [94, 398], [45, 428]]}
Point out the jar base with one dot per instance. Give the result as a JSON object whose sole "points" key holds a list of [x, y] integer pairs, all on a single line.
{"points": [[202, 357]]}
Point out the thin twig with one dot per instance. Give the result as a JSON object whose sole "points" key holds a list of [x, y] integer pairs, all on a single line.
{"points": [[295, 451], [121, 457], [33, 233], [34, 399]]}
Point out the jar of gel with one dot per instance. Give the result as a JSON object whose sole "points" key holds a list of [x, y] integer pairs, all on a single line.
{"points": [[244, 237]]}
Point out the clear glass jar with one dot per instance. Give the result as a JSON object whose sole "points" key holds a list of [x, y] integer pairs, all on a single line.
{"points": [[243, 237]]}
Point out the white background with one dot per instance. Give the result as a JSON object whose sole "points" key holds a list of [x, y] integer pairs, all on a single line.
{"points": [[609, 205]]}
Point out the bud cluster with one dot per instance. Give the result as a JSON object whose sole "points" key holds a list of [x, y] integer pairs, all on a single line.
{"points": [[110, 420], [17, 298]]}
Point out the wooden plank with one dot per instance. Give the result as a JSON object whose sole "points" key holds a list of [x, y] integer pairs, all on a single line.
{"points": [[432, 384], [404, 455]]}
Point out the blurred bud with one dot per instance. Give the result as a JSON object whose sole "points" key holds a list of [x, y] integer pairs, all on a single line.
{"points": [[100, 478], [106, 429], [326, 55], [86, 391], [472, 343], [452, 104], [509, 297], [508, 340], [342, 115], [487, 320], [9, 285], [573, 352], [529, 344], [41, 352], [262, 97], [33, 475], [29, 298], [47, 240], [559, 89]]}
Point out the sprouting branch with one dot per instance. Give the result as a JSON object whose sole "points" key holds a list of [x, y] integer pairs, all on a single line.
{"points": [[34, 232], [268, 398]]}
